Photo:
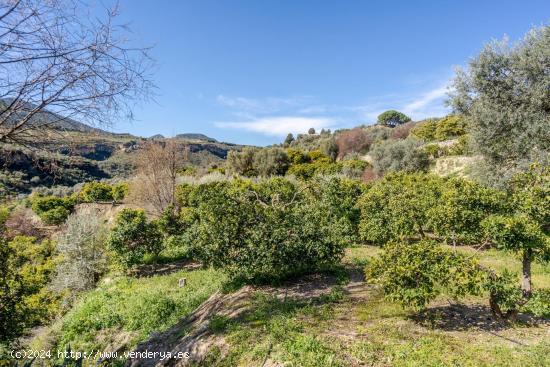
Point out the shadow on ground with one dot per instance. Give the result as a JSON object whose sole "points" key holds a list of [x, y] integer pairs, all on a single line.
{"points": [[462, 317]]}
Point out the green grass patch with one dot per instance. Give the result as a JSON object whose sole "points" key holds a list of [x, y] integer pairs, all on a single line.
{"points": [[127, 310]]}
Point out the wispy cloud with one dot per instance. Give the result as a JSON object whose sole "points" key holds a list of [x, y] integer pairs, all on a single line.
{"points": [[279, 125], [277, 116], [262, 105], [417, 105], [429, 104]]}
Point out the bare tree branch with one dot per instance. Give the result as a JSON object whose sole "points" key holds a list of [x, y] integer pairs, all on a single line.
{"points": [[58, 63]]}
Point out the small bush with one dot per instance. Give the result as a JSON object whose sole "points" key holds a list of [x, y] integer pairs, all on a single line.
{"points": [[55, 216], [413, 274], [81, 247], [93, 192], [450, 127], [53, 210], [399, 155], [132, 237]]}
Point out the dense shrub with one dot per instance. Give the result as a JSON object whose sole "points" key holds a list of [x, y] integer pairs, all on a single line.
{"points": [[340, 195], [353, 168], [25, 271], [329, 147], [425, 129], [450, 127], [262, 232], [242, 162], [93, 192], [397, 207], [353, 141], [81, 247], [132, 236], [413, 274], [53, 210], [270, 161], [399, 155], [297, 156], [461, 208]]}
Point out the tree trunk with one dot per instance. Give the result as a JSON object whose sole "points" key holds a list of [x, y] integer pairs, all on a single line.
{"points": [[526, 274]]}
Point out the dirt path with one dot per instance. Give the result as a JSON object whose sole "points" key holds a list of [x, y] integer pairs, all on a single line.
{"points": [[194, 336]]}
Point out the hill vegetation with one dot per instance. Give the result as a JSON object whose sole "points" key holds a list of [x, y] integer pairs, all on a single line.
{"points": [[337, 248]]}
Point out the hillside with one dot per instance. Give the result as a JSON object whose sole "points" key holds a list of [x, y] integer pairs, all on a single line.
{"points": [[79, 154]]}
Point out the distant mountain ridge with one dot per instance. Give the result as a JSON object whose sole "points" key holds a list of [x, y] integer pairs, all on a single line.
{"points": [[54, 120], [196, 136]]}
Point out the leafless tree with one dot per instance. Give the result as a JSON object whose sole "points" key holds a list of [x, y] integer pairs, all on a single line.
{"points": [[157, 171], [61, 61]]}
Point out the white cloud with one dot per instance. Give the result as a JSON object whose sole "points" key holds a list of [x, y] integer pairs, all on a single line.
{"points": [[428, 104], [418, 106], [279, 125], [262, 105]]}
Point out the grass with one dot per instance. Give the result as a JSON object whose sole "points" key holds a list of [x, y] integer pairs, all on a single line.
{"points": [[124, 311], [341, 331], [279, 329]]}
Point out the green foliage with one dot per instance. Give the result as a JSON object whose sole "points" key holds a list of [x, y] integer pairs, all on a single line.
{"points": [[450, 127], [81, 247], [539, 303], [270, 161], [413, 274], [25, 271], [531, 194], [399, 155], [503, 95], [339, 195], [296, 156], [262, 232], [517, 234], [93, 192], [242, 162], [132, 237], [392, 118], [353, 168], [134, 308], [96, 191], [425, 130], [461, 208], [397, 207], [53, 210], [288, 140], [311, 131], [505, 293], [4, 215], [329, 148], [55, 216], [119, 192]]}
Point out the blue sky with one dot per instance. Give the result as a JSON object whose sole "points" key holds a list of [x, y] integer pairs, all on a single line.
{"points": [[251, 71]]}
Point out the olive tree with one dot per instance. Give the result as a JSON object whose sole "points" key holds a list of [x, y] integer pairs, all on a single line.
{"points": [[504, 97]]}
